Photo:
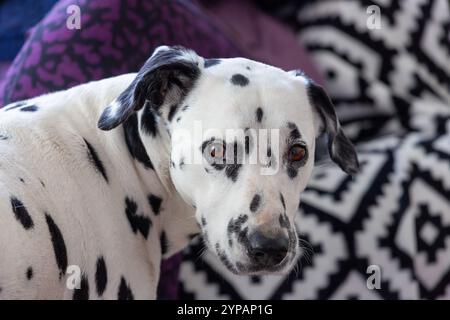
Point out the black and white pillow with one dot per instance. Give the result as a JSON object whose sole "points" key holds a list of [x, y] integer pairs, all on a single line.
{"points": [[392, 89], [392, 79]]}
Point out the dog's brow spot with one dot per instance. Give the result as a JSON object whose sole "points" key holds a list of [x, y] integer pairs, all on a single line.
{"points": [[295, 133], [21, 180], [254, 204], [248, 68], [259, 115], [239, 80], [29, 273], [211, 62]]}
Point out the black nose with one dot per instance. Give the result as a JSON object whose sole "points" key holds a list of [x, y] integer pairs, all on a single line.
{"points": [[267, 251]]}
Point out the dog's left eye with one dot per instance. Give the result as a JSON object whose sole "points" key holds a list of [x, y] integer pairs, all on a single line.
{"points": [[217, 151], [296, 153]]}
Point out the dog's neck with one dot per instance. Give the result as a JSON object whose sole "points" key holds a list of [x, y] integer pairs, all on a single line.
{"points": [[150, 155], [179, 222]]}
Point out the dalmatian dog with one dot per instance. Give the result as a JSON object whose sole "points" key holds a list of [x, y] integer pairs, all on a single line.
{"points": [[101, 181]]}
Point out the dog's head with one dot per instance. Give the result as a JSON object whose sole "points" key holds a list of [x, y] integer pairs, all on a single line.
{"points": [[240, 140]]}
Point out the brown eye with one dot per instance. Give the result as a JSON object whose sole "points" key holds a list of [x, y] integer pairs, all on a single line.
{"points": [[296, 153], [217, 151]]}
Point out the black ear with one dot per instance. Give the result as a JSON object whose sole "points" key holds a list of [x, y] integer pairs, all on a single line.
{"points": [[340, 148], [166, 77]]}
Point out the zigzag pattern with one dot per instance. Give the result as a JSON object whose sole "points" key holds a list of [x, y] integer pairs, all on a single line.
{"points": [[392, 87]]}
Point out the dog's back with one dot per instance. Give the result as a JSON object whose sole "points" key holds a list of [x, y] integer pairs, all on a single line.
{"points": [[62, 197]]}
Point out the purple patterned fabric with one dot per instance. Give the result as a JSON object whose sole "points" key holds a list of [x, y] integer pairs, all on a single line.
{"points": [[116, 37]]}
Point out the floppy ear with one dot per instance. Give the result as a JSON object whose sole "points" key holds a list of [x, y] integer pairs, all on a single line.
{"points": [[166, 77], [340, 148]]}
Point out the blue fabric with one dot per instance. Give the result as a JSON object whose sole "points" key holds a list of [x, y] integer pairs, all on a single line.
{"points": [[16, 17]]}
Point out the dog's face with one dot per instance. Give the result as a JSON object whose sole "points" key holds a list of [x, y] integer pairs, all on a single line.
{"points": [[242, 140]]}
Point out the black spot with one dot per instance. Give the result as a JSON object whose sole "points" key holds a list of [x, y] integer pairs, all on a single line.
{"points": [[211, 62], [235, 225], [21, 213], [137, 222], [239, 80], [192, 236], [3, 137], [101, 276], [155, 203], [95, 160], [164, 243], [232, 169], [181, 164], [282, 201], [178, 119], [203, 221], [125, 292], [29, 273], [83, 292], [42, 183], [259, 114], [243, 237], [31, 108], [223, 257], [185, 108], [59, 246], [254, 205], [134, 142], [292, 172], [172, 111], [148, 121], [247, 144], [248, 68], [21, 180], [284, 221], [15, 106], [255, 279], [295, 133]]}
